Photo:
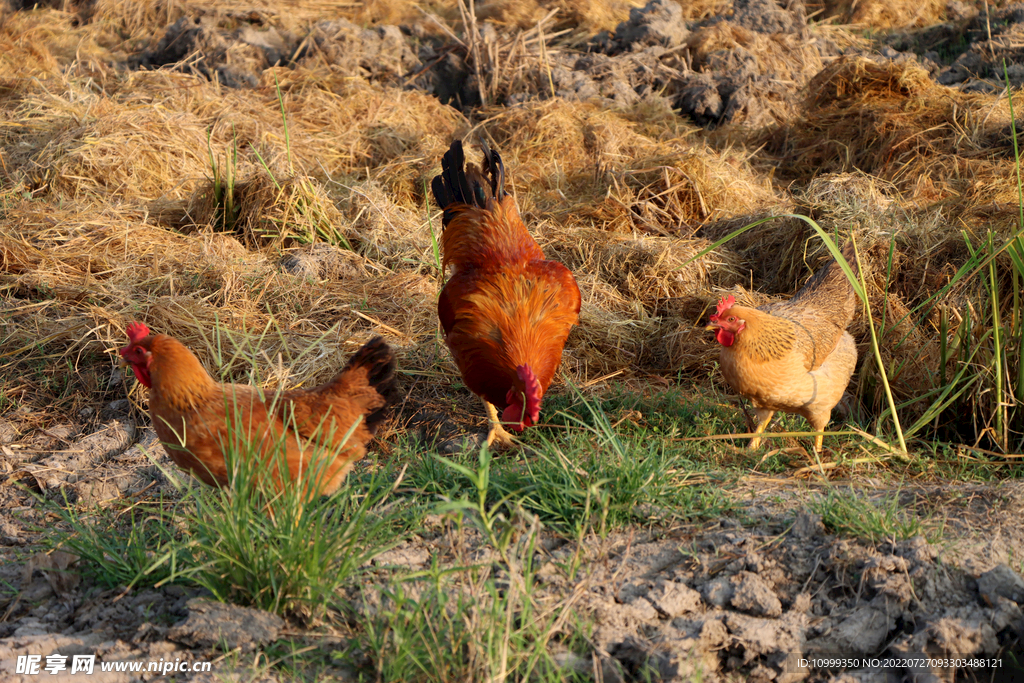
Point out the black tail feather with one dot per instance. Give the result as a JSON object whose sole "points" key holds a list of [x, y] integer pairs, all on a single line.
{"points": [[493, 169], [458, 184], [379, 360]]}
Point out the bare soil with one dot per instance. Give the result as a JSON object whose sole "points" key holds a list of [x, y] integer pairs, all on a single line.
{"points": [[746, 597]]}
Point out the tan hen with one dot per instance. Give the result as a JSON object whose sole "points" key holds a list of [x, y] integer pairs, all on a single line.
{"points": [[795, 356]]}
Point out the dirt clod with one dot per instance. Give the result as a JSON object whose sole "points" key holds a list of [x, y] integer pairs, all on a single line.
{"points": [[673, 599], [1001, 581], [752, 595], [659, 22], [214, 624]]}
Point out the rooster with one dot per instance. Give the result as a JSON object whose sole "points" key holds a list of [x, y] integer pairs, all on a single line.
{"points": [[506, 311], [196, 418], [795, 356]]}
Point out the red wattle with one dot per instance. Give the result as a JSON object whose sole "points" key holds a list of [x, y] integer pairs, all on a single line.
{"points": [[142, 374], [512, 418], [725, 337]]}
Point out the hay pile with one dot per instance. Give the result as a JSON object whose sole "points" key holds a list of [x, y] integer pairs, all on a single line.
{"points": [[170, 198], [892, 121], [290, 214], [885, 14]]}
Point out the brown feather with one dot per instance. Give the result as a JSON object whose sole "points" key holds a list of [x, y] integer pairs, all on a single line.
{"points": [[196, 418], [821, 311]]}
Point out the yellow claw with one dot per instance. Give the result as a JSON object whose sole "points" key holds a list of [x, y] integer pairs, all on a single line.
{"points": [[763, 418], [498, 433]]}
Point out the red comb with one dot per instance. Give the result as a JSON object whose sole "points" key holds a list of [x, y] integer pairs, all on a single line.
{"points": [[724, 304], [137, 332]]}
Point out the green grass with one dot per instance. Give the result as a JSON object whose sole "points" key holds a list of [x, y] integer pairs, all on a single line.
{"points": [[282, 549], [132, 546], [581, 474], [475, 621], [873, 519], [223, 180], [471, 625], [597, 466], [638, 475], [579, 477], [288, 550]]}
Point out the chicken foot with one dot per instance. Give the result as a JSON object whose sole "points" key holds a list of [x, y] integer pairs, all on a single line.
{"points": [[498, 432], [764, 416], [820, 439]]}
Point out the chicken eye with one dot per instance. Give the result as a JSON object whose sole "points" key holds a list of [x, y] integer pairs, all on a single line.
{"points": [[732, 319]]}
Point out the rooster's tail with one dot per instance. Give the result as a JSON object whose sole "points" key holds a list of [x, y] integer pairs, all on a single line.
{"points": [[481, 223], [379, 361], [462, 183]]}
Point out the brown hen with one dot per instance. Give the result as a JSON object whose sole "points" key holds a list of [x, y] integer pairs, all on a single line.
{"points": [[196, 418]]}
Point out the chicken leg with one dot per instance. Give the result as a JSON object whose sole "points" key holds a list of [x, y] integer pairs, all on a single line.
{"points": [[819, 425], [497, 433], [764, 416]]}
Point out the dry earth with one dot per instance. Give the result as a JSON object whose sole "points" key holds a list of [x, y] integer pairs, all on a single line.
{"points": [[741, 599]]}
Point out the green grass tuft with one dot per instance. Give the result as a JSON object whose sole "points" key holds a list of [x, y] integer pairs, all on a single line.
{"points": [[876, 520]]}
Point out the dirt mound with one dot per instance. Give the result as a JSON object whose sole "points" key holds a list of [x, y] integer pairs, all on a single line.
{"points": [[237, 56], [744, 69], [993, 41], [613, 81], [722, 73], [738, 70], [660, 22], [746, 76], [382, 53]]}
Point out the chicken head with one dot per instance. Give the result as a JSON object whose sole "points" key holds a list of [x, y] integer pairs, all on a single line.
{"points": [[136, 354], [517, 418], [725, 323]]}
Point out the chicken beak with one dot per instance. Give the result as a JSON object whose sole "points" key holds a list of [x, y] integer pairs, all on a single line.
{"points": [[711, 327]]}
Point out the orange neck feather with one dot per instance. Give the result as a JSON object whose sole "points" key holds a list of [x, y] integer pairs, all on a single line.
{"points": [[758, 322], [179, 379], [764, 336], [493, 235]]}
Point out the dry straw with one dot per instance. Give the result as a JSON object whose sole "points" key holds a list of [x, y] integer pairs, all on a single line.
{"points": [[110, 212]]}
